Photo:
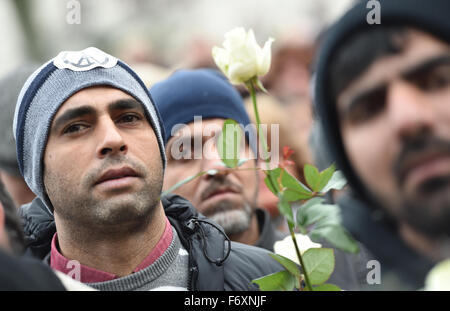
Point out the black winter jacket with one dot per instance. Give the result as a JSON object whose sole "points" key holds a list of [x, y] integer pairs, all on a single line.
{"points": [[215, 263]]}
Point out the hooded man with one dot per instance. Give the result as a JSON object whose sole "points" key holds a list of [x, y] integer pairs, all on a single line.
{"points": [[90, 144], [382, 94]]}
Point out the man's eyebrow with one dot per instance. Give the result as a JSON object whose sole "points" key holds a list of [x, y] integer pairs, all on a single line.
{"points": [[418, 69], [125, 104], [426, 65], [71, 114]]}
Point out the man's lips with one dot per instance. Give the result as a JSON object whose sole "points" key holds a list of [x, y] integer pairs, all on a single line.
{"points": [[218, 191], [423, 167], [116, 174]]}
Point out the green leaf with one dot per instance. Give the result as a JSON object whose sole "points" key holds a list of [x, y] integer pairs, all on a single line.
{"points": [[336, 182], [315, 180], [228, 144], [315, 212], [290, 266], [337, 236], [285, 209], [274, 174], [327, 288], [319, 264], [325, 177], [312, 176], [279, 281], [312, 202], [294, 189]]}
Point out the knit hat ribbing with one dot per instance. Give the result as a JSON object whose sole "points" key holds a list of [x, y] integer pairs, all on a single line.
{"points": [[50, 86], [201, 92]]}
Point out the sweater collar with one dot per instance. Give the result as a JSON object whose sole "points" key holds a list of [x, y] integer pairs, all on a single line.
{"points": [[92, 275]]}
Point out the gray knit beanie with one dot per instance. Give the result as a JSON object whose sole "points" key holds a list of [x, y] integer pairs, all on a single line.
{"points": [[50, 86], [10, 85]]}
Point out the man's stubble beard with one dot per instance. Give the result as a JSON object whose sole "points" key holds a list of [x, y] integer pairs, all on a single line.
{"points": [[125, 214], [427, 209], [232, 220], [430, 217]]}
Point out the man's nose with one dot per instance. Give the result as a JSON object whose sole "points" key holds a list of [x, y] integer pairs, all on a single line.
{"points": [[111, 139], [409, 109], [211, 161]]}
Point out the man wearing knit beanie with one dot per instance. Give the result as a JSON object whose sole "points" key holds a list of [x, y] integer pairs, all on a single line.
{"points": [[90, 144], [10, 86], [382, 93], [203, 99], [194, 105]]}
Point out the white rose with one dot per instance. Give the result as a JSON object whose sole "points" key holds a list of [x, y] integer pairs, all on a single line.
{"points": [[438, 279], [241, 58], [286, 246]]}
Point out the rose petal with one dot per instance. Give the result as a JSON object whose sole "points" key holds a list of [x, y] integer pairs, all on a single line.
{"points": [[265, 58], [286, 246], [221, 58], [234, 39], [240, 72]]}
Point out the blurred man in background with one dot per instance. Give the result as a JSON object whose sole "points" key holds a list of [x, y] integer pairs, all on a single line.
{"points": [[11, 232], [10, 86], [15, 273], [230, 196], [21, 273], [289, 82], [382, 94]]}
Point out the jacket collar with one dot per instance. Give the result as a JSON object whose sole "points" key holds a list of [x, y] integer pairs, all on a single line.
{"points": [[200, 236]]}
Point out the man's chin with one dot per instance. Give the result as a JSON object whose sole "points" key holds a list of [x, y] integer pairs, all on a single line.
{"points": [[232, 221], [429, 214], [122, 207]]}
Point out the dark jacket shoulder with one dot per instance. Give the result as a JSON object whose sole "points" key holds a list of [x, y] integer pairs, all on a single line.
{"points": [[233, 265], [215, 263], [247, 263], [39, 228], [26, 274]]}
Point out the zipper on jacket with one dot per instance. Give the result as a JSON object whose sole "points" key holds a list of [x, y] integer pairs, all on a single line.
{"points": [[193, 269]]}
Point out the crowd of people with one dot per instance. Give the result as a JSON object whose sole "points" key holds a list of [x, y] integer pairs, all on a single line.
{"points": [[89, 145]]}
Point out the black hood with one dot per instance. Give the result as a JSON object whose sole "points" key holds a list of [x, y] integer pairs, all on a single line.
{"points": [[431, 16]]}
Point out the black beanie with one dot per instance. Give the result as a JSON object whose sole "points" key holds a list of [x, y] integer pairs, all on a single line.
{"points": [[431, 16], [199, 92]]}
